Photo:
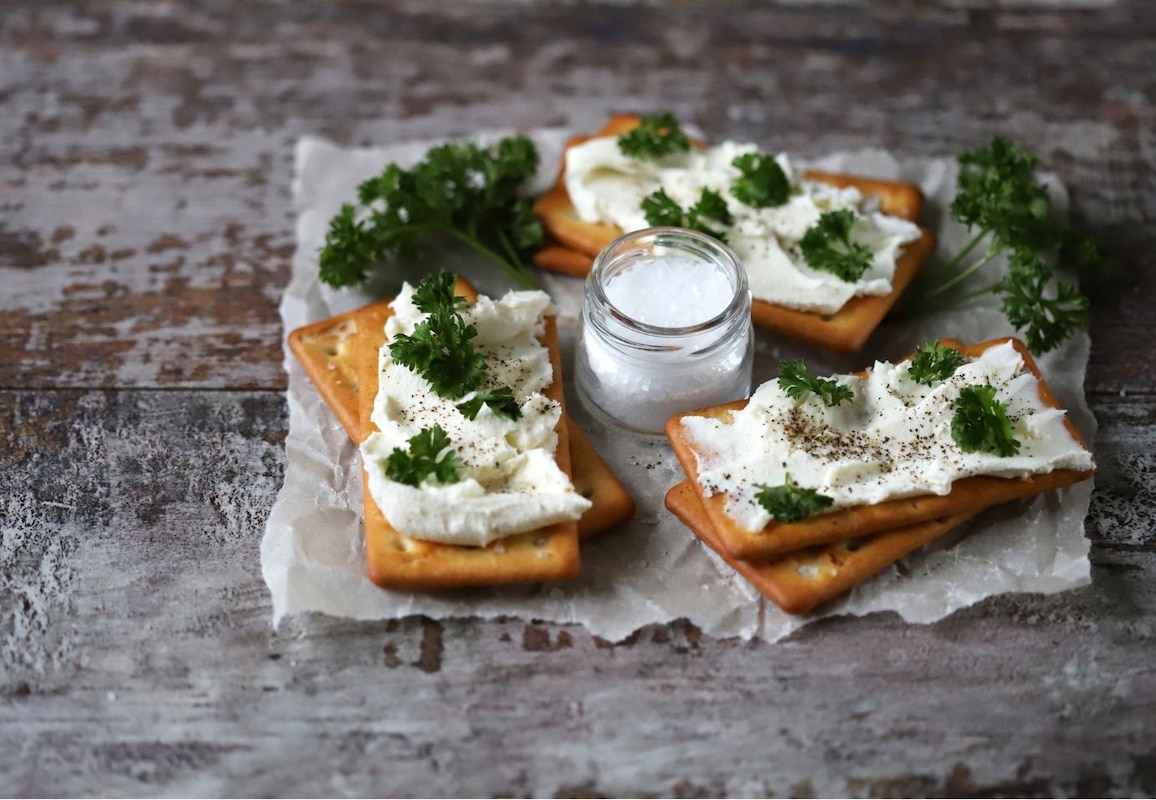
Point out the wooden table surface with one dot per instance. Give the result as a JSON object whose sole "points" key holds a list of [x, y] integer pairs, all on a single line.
{"points": [[146, 232]]}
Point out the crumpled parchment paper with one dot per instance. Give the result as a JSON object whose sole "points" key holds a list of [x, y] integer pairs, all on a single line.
{"points": [[651, 570]]}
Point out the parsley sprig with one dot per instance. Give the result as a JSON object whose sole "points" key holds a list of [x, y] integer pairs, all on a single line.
{"points": [[798, 381], [501, 400], [704, 216], [981, 424], [466, 191], [827, 246], [1045, 320], [790, 502], [763, 183], [934, 362], [441, 350], [1000, 200], [430, 453], [656, 136]]}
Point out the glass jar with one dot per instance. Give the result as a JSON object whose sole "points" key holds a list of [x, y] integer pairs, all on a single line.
{"points": [[665, 328]]}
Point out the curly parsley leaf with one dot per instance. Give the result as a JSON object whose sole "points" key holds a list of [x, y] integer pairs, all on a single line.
{"points": [[827, 246], [790, 502], [1046, 318], [1002, 202], [470, 192], [656, 136], [934, 362], [797, 381], [500, 400], [998, 193], [436, 293], [981, 424], [661, 210], [709, 211], [763, 183], [430, 454], [440, 350]]}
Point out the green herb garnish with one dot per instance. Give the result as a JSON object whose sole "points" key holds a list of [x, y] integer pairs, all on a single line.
{"points": [[436, 293], [763, 184], [981, 424], [501, 400], [441, 350], [1045, 318], [462, 190], [430, 454], [1000, 200], [934, 362], [656, 136], [827, 246], [710, 210], [791, 502], [797, 381]]}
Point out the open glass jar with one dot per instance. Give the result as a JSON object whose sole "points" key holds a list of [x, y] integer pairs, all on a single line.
{"points": [[665, 328]]}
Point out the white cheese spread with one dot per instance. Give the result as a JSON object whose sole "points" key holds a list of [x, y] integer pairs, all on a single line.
{"points": [[510, 481], [606, 186], [894, 440]]}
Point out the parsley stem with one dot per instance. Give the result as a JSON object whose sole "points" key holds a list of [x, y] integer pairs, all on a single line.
{"points": [[963, 275], [511, 253], [511, 268], [976, 293]]}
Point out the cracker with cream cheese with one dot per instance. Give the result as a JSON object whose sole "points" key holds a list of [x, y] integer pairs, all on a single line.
{"points": [[802, 580], [575, 242], [327, 350], [397, 560], [966, 495]]}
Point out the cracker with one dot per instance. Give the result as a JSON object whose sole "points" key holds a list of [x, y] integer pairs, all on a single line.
{"points": [[845, 330], [557, 258], [967, 494], [801, 581], [396, 560], [328, 352]]}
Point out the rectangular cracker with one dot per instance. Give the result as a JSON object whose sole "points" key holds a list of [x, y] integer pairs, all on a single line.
{"points": [[575, 244], [967, 494], [801, 581], [327, 351], [396, 560]]}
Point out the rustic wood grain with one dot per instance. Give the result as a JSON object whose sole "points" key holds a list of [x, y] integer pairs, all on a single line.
{"points": [[146, 232]]}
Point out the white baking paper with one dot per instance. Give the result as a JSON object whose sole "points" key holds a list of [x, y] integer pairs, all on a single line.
{"points": [[651, 570]]}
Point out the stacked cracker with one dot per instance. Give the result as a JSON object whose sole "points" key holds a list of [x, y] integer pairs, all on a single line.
{"points": [[575, 243], [340, 356], [801, 565]]}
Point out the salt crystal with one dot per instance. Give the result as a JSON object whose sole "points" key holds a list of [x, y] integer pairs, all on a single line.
{"points": [[671, 292]]}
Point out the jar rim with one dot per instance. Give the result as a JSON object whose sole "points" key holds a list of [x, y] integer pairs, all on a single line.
{"points": [[703, 245]]}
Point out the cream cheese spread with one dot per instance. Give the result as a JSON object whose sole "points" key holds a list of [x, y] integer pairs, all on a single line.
{"points": [[606, 186], [510, 481], [893, 440]]}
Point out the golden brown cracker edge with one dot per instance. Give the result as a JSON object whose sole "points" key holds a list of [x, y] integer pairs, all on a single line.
{"points": [[967, 494], [398, 561], [801, 581], [574, 244]]}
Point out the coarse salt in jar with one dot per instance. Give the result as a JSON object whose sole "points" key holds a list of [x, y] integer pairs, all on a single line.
{"points": [[665, 328]]}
